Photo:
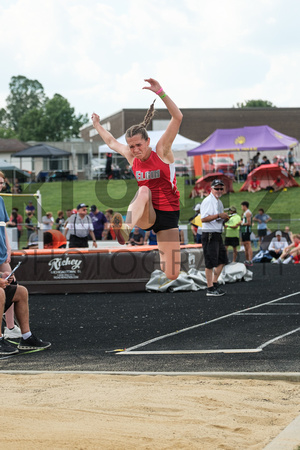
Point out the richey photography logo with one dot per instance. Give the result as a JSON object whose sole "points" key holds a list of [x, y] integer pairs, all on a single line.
{"points": [[65, 267]]}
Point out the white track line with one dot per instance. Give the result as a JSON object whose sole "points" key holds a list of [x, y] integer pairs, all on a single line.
{"points": [[183, 330], [186, 352], [277, 338]]}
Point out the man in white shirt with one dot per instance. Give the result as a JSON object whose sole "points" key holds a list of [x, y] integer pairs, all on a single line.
{"points": [[277, 244], [47, 221], [215, 255], [81, 227]]}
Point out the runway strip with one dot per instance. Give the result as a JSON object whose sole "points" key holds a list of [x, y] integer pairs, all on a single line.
{"points": [[130, 350]]}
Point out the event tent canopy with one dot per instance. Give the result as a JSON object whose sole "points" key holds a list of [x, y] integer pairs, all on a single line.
{"points": [[267, 175], [42, 150], [12, 171], [260, 138], [180, 143], [204, 182]]}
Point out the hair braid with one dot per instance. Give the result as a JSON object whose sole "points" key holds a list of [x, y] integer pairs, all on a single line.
{"points": [[141, 127]]}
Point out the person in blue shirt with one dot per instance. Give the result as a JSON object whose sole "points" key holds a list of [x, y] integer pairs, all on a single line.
{"points": [[262, 219]]}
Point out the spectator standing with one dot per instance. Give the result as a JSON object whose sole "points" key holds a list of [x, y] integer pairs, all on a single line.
{"points": [[30, 208], [246, 229], [291, 161], [265, 160], [99, 222], [47, 221], [232, 227], [262, 219], [215, 255], [108, 233], [29, 224], [60, 221], [81, 227]]}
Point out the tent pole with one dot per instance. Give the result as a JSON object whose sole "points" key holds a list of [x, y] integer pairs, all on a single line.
{"points": [[39, 218]]}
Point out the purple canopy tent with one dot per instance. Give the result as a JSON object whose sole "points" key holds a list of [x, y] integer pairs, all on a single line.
{"points": [[260, 138]]}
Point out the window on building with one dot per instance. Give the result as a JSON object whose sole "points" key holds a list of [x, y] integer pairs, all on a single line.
{"points": [[50, 164], [82, 160]]}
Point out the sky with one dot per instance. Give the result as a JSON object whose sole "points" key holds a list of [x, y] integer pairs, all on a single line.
{"points": [[205, 54]]}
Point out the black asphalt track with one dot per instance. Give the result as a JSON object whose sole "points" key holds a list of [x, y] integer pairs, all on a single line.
{"points": [[83, 329]]}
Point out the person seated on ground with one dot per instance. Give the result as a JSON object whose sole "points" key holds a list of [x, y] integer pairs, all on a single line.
{"points": [[136, 237], [200, 192], [277, 245], [54, 239], [254, 185], [291, 252], [150, 238], [232, 228], [16, 294], [279, 184], [33, 241]]}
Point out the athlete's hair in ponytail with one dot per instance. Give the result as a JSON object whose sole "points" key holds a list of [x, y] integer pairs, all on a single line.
{"points": [[141, 127]]}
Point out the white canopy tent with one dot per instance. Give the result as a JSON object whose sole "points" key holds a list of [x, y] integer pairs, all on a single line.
{"points": [[180, 143]]}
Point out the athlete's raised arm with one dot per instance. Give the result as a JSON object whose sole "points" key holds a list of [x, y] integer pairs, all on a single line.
{"points": [[164, 145]]}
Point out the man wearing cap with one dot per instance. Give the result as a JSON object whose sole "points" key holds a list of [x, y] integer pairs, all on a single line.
{"points": [[215, 255], [99, 222], [81, 227], [232, 227], [277, 245]]}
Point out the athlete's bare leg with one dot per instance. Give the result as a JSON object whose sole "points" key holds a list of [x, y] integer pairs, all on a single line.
{"points": [[169, 251], [140, 211]]}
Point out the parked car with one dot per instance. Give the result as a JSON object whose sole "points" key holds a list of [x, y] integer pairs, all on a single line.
{"points": [[62, 175], [220, 164], [182, 168]]}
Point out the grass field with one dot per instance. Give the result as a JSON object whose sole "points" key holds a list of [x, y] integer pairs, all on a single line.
{"points": [[283, 207]]}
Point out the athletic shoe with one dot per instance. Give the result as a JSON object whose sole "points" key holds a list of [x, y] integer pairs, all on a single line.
{"points": [[7, 349], [122, 230], [33, 343], [12, 334], [215, 292], [248, 263]]}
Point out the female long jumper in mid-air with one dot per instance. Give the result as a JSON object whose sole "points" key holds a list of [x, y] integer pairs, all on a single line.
{"points": [[156, 203]]}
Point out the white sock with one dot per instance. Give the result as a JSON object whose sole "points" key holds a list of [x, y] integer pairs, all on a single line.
{"points": [[26, 335]]}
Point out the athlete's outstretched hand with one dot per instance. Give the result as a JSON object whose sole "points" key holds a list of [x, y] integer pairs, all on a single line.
{"points": [[154, 85], [95, 118]]}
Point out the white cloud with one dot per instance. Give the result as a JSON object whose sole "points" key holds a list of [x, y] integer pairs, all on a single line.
{"points": [[206, 54]]}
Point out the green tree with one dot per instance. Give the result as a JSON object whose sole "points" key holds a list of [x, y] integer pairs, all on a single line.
{"points": [[60, 121], [24, 95], [256, 104], [54, 121], [5, 131], [31, 127]]}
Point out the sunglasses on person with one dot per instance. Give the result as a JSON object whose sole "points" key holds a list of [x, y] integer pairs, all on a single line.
{"points": [[218, 189]]}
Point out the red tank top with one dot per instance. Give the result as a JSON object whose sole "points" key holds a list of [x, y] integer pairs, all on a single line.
{"points": [[160, 178]]}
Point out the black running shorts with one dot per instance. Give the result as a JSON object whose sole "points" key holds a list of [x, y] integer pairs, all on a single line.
{"points": [[9, 291], [165, 220], [214, 250]]}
